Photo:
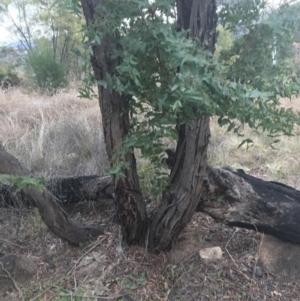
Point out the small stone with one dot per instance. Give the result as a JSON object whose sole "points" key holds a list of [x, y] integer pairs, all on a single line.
{"points": [[258, 273], [231, 275], [213, 253]]}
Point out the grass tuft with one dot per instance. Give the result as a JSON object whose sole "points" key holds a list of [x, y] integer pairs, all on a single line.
{"points": [[53, 136]]}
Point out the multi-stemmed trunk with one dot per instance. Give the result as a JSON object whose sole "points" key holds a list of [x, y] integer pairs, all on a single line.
{"points": [[181, 199]]}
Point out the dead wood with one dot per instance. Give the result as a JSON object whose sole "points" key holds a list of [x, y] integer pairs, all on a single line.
{"points": [[51, 212], [241, 200], [230, 196]]}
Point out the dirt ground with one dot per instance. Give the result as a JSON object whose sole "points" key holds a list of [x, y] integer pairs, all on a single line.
{"points": [[108, 270]]}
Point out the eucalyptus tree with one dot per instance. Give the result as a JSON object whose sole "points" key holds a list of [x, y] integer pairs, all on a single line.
{"points": [[157, 78], [147, 64], [45, 24]]}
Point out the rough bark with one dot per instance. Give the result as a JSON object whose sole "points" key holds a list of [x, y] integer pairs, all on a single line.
{"points": [[66, 190], [181, 199], [130, 205], [52, 214], [240, 200], [230, 197]]}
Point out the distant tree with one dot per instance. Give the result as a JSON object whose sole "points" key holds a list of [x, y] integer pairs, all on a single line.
{"points": [[63, 31], [46, 73], [9, 61], [35, 22]]}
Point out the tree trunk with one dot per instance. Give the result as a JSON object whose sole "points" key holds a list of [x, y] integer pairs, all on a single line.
{"points": [[52, 214], [186, 180], [180, 201], [130, 204]]}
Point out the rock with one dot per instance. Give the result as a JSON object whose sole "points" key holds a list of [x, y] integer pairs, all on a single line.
{"points": [[258, 273], [280, 258], [213, 253], [20, 268]]}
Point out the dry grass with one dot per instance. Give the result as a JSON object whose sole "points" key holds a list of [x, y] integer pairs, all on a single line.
{"points": [[53, 136], [278, 163], [62, 136]]}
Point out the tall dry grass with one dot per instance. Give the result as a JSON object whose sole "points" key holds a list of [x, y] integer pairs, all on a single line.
{"points": [[53, 136], [281, 163], [62, 136]]}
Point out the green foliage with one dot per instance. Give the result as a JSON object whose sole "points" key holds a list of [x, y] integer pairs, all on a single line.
{"points": [[263, 43], [45, 72], [169, 79], [153, 178], [21, 183], [63, 295], [8, 64], [224, 41], [135, 280], [8, 75], [63, 31], [290, 14], [172, 273]]}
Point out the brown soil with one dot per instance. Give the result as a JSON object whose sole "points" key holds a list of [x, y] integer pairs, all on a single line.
{"points": [[108, 270]]}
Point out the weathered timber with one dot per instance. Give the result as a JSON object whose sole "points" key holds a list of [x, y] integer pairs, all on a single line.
{"points": [[241, 200], [51, 212], [84, 188], [230, 196], [66, 191]]}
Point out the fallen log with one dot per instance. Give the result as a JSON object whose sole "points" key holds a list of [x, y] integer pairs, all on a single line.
{"points": [[84, 188], [66, 190], [230, 196], [51, 212], [240, 200]]}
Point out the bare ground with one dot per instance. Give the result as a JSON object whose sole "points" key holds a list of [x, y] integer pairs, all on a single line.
{"points": [[108, 270]]}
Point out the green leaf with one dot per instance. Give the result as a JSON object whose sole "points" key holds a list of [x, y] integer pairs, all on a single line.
{"points": [[102, 83]]}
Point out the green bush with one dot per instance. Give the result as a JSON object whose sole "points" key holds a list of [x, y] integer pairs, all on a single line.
{"points": [[45, 73], [8, 75]]}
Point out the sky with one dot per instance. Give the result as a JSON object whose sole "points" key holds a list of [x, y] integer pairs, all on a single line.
{"points": [[5, 36]]}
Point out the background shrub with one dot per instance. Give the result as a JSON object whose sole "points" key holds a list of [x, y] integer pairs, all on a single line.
{"points": [[8, 75], [45, 73]]}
